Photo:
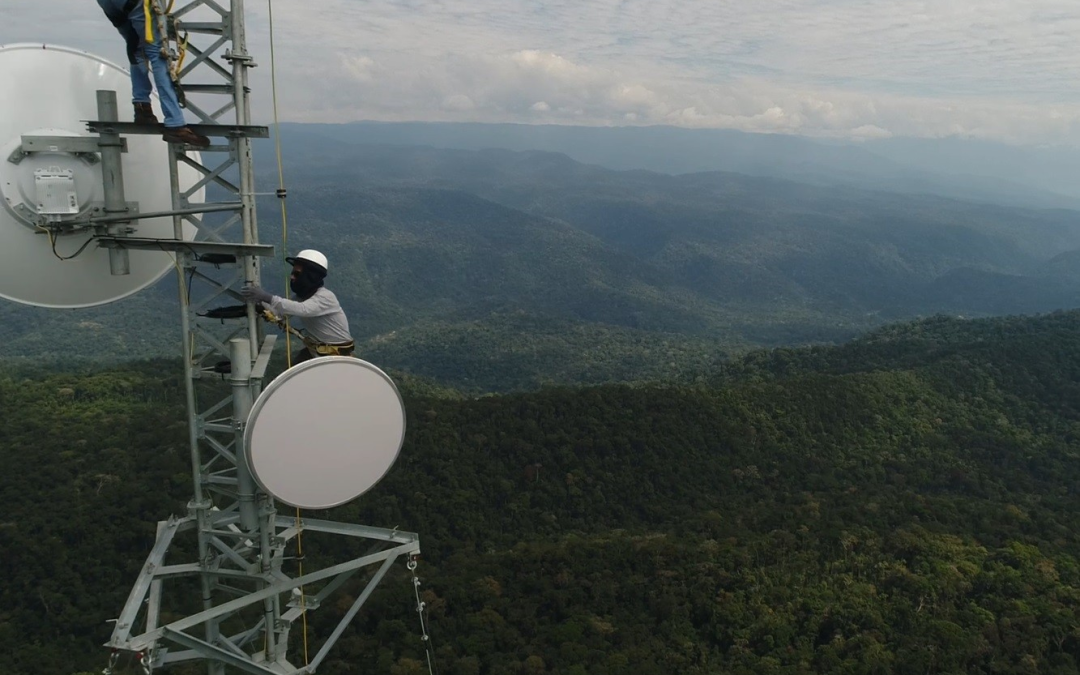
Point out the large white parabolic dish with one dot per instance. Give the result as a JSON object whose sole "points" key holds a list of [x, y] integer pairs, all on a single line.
{"points": [[325, 432], [47, 90]]}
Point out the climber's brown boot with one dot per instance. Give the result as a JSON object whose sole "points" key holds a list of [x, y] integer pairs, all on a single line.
{"points": [[186, 136], [144, 114]]}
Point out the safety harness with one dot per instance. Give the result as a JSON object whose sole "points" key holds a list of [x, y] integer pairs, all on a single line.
{"points": [[324, 349], [153, 14], [167, 27], [314, 346]]}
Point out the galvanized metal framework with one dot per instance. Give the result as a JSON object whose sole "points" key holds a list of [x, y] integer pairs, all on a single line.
{"points": [[248, 601]]}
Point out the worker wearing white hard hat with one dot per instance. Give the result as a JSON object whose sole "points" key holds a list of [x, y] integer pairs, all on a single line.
{"points": [[326, 328]]}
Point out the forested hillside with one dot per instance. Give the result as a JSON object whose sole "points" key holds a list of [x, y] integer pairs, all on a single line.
{"points": [[538, 253], [901, 504], [739, 243]]}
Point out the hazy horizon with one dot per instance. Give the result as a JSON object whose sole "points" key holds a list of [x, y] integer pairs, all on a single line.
{"points": [[965, 169]]}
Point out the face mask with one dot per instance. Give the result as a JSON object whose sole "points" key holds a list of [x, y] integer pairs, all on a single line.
{"points": [[306, 283]]}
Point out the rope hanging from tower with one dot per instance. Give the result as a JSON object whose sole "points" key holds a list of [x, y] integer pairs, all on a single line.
{"points": [[281, 193]]}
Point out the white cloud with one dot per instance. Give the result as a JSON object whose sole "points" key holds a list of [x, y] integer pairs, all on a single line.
{"points": [[459, 102], [1001, 69], [359, 68], [869, 132]]}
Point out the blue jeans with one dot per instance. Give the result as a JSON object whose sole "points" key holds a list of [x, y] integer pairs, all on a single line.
{"points": [[146, 57]]}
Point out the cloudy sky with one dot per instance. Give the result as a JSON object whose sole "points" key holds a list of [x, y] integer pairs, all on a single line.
{"points": [[1006, 70]]}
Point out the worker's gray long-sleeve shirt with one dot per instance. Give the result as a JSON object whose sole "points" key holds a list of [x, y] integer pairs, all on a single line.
{"points": [[323, 318]]}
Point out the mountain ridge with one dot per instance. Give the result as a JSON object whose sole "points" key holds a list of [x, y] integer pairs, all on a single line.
{"points": [[897, 165], [426, 241]]}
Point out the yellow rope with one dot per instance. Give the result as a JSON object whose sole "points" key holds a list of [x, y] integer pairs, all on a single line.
{"points": [[288, 334], [281, 171], [303, 598], [184, 299]]}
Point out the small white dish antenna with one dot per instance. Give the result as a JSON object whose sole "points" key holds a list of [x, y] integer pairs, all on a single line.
{"points": [[52, 91], [325, 432]]}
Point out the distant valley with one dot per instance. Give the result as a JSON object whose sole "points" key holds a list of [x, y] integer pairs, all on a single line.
{"points": [[534, 268]]}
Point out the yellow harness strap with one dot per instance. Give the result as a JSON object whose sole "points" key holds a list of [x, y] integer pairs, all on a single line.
{"points": [[322, 349], [331, 350], [148, 15]]}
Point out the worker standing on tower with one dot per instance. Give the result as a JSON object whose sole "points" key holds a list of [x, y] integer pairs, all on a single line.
{"points": [[326, 328], [144, 56]]}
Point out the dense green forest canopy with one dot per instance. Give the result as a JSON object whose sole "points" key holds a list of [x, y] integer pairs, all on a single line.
{"points": [[904, 503]]}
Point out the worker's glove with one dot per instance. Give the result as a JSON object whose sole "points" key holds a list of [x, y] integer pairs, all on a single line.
{"points": [[256, 294]]}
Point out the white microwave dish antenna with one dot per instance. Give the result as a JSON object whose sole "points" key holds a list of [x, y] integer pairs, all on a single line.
{"points": [[50, 91], [325, 432]]}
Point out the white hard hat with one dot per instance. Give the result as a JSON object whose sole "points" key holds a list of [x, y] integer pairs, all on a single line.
{"points": [[310, 255]]}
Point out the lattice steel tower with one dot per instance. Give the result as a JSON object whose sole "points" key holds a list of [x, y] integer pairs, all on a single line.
{"points": [[241, 539]]}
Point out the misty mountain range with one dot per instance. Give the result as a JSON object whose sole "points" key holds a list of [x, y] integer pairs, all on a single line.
{"points": [[497, 268], [762, 244], [964, 169]]}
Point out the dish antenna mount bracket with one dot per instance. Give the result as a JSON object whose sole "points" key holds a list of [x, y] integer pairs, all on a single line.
{"points": [[54, 207]]}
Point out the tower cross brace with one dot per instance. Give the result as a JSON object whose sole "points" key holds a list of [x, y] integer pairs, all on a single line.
{"points": [[247, 602]]}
